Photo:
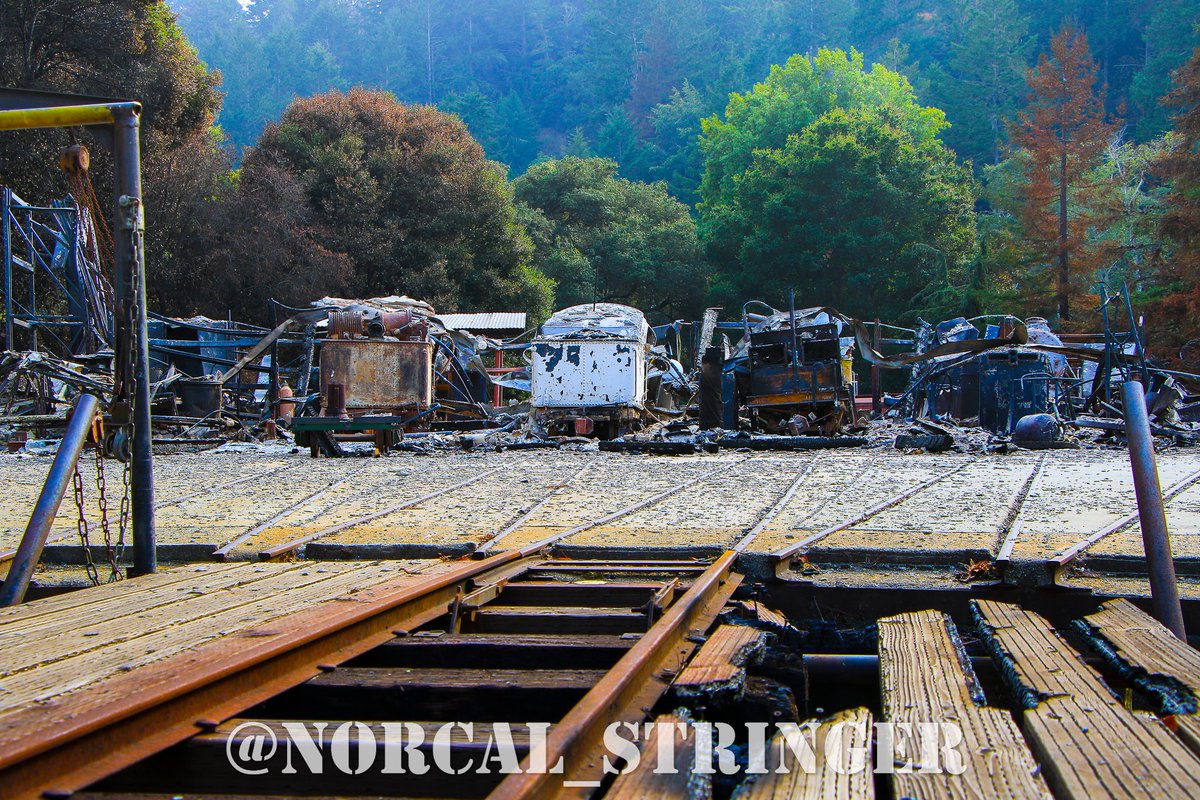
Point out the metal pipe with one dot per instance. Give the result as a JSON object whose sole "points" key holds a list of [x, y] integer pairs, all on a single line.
{"points": [[131, 264], [64, 116], [795, 345], [1155, 539], [61, 471], [272, 409]]}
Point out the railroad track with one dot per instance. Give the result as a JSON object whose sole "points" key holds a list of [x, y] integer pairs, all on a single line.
{"points": [[543, 656], [516, 638]]}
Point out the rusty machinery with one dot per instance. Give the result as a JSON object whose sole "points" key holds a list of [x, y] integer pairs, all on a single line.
{"points": [[795, 371], [383, 362]]}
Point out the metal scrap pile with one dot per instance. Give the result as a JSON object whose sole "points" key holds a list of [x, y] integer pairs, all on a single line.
{"points": [[1018, 383]]}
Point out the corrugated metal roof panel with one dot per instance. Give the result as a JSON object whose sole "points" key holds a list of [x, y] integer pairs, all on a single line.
{"points": [[486, 321]]}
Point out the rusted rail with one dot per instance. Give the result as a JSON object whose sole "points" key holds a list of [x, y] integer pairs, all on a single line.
{"points": [[1073, 552], [771, 513], [223, 551], [258, 476], [168, 700], [638, 506], [630, 687], [524, 517], [783, 555], [1010, 528], [295, 544]]}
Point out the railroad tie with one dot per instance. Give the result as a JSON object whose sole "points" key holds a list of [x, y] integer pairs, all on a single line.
{"points": [[1089, 744], [675, 781], [1152, 659], [718, 670], [926, 678]]}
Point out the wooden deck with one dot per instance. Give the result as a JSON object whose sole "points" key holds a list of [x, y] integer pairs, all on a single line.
{"points": [[1089, 744], [926, 678], [62, 655]]}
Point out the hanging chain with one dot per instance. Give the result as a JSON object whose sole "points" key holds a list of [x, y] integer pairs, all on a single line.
{"points": [[81, 523], [123, 518], [131, 376], [102, 500]]}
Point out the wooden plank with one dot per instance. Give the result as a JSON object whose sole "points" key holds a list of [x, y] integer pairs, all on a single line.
{"points": [[1150, 657], [34, 687], [926, 678], [179, 609], [766, 616], [676, 781], [1088, 743], [833, 773], [719, 667], [127, 591]]}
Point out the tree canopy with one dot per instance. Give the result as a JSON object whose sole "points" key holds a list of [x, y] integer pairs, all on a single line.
{"points": [[605, 238], [830, 178], [406, 193], [127, 49], [1182, 222]]}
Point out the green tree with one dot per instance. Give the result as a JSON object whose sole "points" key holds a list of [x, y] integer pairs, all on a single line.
{"points": [[1127, 206], [1172, 33], [605, 238], [677, 139], [983, 82], [407, 195], [129, 49], [1181, 273], [830, 178], [618, 140]]}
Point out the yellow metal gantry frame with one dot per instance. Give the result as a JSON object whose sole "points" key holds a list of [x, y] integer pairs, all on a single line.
{"points": [[64, 116]]}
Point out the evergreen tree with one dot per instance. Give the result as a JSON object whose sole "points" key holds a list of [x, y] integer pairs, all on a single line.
{"points": [[981, 85], [1172, 33], [1182, 223], [1065, 132]]}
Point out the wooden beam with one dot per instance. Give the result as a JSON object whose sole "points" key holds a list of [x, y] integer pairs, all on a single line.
{"points": [[1089, 745]]}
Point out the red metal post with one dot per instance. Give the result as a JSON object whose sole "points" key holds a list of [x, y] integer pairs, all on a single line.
{"points": [[498, 391]]}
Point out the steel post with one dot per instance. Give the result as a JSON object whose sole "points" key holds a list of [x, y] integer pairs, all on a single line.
{"points": [[272, 408], [8, 301], [131, 265], [29, 552], [498, 395], [1155, 538]]}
